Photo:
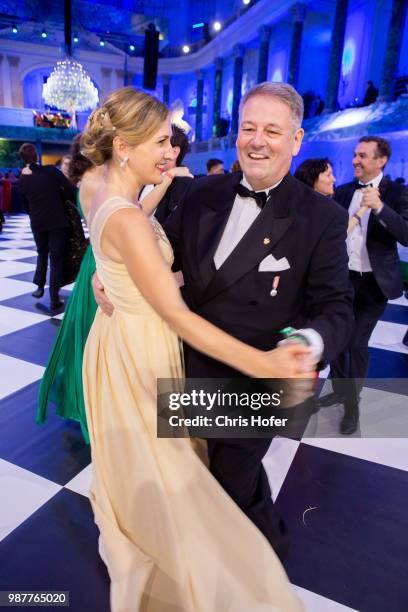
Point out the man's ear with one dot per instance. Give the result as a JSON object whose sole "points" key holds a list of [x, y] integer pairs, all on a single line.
{"points": [[383, 161], [297, 141]]}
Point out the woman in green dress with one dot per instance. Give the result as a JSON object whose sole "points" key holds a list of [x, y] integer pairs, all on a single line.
{"points": [[62, 380]]}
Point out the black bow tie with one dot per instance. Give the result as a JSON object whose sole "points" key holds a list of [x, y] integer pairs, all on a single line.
{"points": [[360, 186], [260, 197]]}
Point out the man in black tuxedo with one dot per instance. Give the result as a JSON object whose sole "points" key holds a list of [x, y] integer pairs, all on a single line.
{"points": [[373, 263], [42, 190], [259, 252]]}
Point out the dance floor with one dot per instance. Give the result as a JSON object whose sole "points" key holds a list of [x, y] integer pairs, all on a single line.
{"points": [[345, 499]]}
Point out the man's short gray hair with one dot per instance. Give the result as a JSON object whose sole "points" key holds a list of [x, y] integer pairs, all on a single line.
{"points": [[283, 92]]}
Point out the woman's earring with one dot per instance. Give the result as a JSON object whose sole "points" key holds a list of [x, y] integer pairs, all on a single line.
{"points": [[123, 162]]}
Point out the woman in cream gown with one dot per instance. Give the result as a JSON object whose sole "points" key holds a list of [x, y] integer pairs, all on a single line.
{"points": [[173, 540]]}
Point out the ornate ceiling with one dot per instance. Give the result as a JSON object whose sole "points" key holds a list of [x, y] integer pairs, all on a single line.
{"points": [[119, 21]]}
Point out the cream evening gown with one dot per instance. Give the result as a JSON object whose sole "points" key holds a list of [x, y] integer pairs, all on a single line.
{"points": [[173, 540]]}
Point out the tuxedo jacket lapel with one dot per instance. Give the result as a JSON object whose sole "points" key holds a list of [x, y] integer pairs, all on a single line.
{"points": [[214, 215], [272, 223], [350, 193], [382, 187]]}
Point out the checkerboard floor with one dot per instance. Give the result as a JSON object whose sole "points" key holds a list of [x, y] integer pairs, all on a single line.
{"points": [[345, 499]]}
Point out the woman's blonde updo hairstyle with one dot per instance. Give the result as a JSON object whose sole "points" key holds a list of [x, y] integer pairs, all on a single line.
{"points": [[129, 113]]}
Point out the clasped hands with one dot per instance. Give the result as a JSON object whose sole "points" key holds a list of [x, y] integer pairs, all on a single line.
{"points": [[371, 199]]}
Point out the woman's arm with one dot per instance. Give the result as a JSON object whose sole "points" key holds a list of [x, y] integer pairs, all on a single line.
{"points": [[154, 279], [356, 218], [151, 201]]}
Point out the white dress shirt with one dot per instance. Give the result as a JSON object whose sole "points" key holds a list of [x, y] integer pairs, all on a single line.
{"points": [[243, 214], [359, 260], [145, 191]]}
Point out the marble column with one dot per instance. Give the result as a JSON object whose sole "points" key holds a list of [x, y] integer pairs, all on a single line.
{"points": [[126, 77], [166, 89], [6, 81], [16, 84], [113, 81], [336, 55], [393, 50], [264, 37], [2, 58], [298, 12], [199, 108], [131, 77], [217, 97], [120, 77], [106, 81], [238, 52]]}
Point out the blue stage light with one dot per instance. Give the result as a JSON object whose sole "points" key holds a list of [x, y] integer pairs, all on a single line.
{"points": [[198, 25], [102, 42], [76, 38], [349, 56], [132, 47], [44, 33], [217, 26], [14, 29], [186, 49]]}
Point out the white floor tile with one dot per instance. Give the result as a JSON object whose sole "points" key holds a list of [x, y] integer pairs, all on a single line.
{"points": [[16, 223], [12, 268], [22, 493], [317, 603], [16, 374], [401, 301], [69, 287], [17, 244], [16, 227], [383, 414], [9, 287], [13, 319], [15, 254], [19, 236], [388, 336], [278, 461], [60, 316], [324, 373], [82, 481]]}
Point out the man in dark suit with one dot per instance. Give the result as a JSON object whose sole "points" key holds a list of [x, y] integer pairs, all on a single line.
{"points": [[374, 265], [42, 189], [259, 252]]}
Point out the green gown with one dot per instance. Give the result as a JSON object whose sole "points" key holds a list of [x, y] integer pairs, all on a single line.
{"points": [[62, 380]]}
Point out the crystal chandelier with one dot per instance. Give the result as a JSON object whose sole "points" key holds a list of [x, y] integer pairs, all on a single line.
{"points": [[70, 88]]}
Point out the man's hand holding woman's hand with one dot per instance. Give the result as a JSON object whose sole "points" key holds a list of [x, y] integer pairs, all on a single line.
{"points": [[292, 360]]}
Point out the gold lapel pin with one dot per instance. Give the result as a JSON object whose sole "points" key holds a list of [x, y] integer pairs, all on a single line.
{"points": [[266, 240]]}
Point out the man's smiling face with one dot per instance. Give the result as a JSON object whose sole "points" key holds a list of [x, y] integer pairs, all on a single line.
{"points": [[367, 163], [267, 140]]}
